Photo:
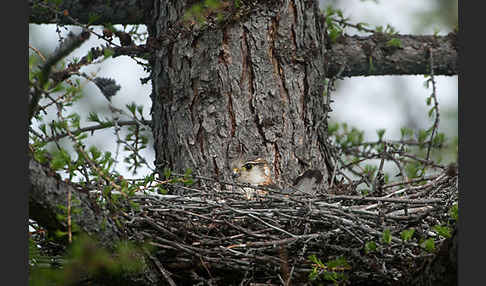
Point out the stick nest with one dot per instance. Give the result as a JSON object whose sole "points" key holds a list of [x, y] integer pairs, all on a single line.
{"points": [[219, 237]]}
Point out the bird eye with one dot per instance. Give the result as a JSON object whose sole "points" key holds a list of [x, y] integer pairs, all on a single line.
{"points": [[247, 166]]}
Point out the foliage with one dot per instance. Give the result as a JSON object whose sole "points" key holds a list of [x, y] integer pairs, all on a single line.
{"points": [[454, 212], [407, 234], [86, 261], [58, 90], [205, 11], [89, 168], [337, 24], [414, 155], [330, 271]]}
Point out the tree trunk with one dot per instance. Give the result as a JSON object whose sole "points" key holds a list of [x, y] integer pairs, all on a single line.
{"points": [[252, 88]]}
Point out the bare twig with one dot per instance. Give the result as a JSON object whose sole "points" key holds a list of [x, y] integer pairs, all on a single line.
{"points": [[435, 126]]}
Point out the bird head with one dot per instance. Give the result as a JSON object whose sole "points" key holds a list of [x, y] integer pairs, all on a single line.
{"points": [[308, 182], [255, 172]]}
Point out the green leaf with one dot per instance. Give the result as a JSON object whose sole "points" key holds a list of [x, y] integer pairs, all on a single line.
{"points": [[380, 147], [338, 262], [140, 109], [334, 32], [407, 234], [314, 274], [333, 128], [162, 191], [89, 57], [60, 159], [390, 30], [132, 107], [213, 4], [188, 182], [406, 132], [370, 170], [95, 152], [439, 140], [75, 119], [371, 66], [59, 233], [422, 135], [93, 117], [81, 136], [380, 133], [330, 11], [57, 88], [394, 42], [340, 13], [107, 52], [40, 155], [429, 245], [412, 169], [436, 31], [454, 212], [313, 258], [370, 246], [444, 231], [387, 236], [166, 173], [43, 127], [187, 173], [387, 178]]}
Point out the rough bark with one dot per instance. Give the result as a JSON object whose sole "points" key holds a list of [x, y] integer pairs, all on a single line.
{"points": [[96, 12], [353, 54], [254, 87], [364, 56]]}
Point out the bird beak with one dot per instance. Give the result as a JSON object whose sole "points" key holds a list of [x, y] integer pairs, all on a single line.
{"points": [[236, 173]]}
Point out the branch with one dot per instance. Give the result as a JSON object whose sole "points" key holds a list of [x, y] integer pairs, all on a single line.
{"points": [[48, 194], [364, 56], [65, 48], [359, 56], [98, 127], [96, 12]]}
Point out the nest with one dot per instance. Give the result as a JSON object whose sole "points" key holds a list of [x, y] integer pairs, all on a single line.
{"points": [[219, 237]]}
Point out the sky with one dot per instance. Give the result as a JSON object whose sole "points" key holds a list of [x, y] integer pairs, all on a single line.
{"points": [[369, 103]]}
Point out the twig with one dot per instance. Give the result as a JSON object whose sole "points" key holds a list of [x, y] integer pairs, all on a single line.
{"points": [[66, 47], [70, 234], [384, 199], [161, 268], [86, 157], [436, 104], [38, 53], [98, 127], [410, 181]]}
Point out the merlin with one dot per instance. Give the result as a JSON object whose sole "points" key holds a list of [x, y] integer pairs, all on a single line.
{"points": [[257, 173]]}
